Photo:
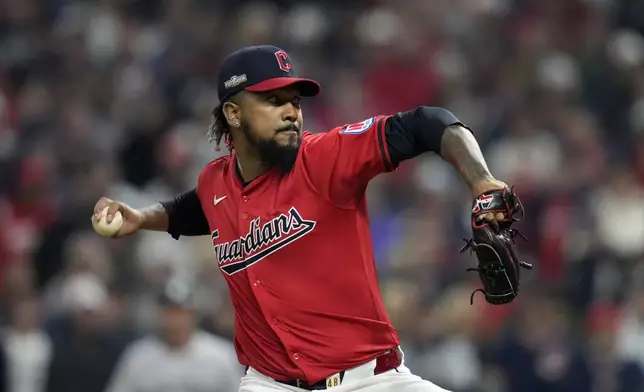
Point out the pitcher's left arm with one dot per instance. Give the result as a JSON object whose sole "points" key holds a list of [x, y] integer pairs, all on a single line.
{"points": [[435, 129]]}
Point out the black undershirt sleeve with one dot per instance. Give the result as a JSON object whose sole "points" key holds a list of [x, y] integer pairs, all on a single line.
{"points": [[409, 134], [185, 215]]}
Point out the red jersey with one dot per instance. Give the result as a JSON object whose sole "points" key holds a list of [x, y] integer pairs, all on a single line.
{"points": [[295, 249]]}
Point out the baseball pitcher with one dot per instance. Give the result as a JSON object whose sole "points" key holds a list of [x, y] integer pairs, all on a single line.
{"points": [[287, 215]]}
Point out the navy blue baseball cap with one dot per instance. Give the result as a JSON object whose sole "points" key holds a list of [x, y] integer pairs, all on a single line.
{"points": [[259, 69]]}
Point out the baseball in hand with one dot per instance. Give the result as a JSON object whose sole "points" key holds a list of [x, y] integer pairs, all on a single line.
{"points": [[108, 229]]}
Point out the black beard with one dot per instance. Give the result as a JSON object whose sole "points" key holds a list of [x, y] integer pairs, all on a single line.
{"points": [[273, 154]]}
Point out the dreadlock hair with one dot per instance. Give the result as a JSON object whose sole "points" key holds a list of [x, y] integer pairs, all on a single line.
{"points": [[218, 129]]}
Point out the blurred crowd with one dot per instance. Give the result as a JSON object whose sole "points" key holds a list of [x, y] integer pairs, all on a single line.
{"points": [[113, 98]]}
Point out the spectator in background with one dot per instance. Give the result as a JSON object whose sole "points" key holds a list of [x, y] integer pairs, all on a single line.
{"points": [[540, 354], [27, 348], [611, 370], [447, 349], [630, 328], [84, 350], [83, 254], [181, 357]]}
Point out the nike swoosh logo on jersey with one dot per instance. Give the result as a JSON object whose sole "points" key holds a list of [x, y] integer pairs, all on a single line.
{"points": [[217, 201]]}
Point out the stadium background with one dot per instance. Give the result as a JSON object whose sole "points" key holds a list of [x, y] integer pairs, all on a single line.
{"points": [[113, 98]]}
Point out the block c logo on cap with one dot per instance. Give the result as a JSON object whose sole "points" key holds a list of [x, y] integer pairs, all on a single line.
{"points": [[283, 61]]}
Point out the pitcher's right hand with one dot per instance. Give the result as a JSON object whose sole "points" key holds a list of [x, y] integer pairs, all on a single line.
{"points": [[132, 219]]}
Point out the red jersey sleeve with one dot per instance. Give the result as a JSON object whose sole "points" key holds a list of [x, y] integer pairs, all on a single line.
{"points": [[341, 162]]}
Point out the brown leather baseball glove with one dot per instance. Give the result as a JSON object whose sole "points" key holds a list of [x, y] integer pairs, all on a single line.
{"points": [[494, 246]]}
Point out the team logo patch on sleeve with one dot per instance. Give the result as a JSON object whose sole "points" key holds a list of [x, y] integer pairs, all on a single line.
{"points": [[358, 128]]}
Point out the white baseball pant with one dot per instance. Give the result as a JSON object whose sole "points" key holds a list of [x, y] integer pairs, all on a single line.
{"points": [[360, 379]]}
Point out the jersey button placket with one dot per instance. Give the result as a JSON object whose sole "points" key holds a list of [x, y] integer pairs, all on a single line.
{"points": [[243, 214]]}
